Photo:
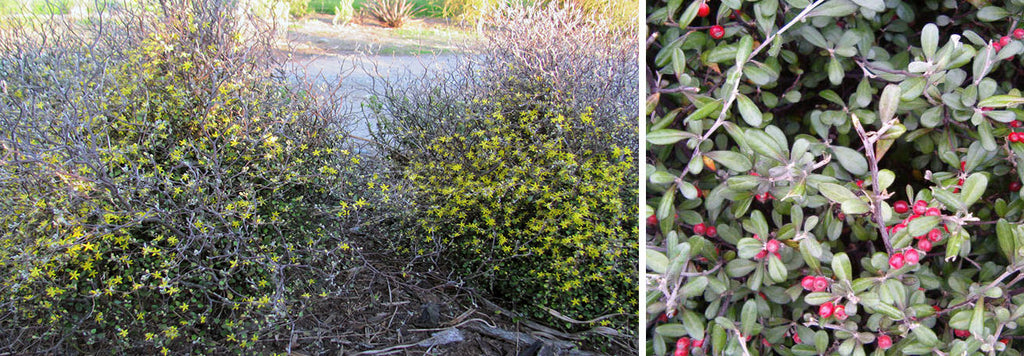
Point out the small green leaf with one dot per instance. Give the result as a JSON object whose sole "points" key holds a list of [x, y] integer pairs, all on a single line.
{"points": [[851, 160], [1007, 241], [748, 317], [992, 13], [818, 298], [978, 318], [889, 311], [873, 5], [835, 71], [974, 187], [855, 207], [999, 101], [841, 266], [835, 192], [925, 335], [763, 144], [743, 49], [776, 269], [749, 247], [702, 112], [961, 319], [929, 40], [689, 14], [888, 102], [672, 330], [733, 160], [694, 324], [668, 136], [922, 225], [834, 8], [748, 110], [656, 261], [694, 287]]}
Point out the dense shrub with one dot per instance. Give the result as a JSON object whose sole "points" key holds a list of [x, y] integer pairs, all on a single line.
{"points": [[523, 167], [162, 189], [834, 177], [391, 13]]}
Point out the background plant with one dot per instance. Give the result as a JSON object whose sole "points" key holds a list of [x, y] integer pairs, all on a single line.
{"points": [[522, 170], [391, 13], [163, 188], [834, 177]]}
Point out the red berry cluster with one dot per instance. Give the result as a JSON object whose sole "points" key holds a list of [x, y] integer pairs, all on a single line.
{"points": [[770, 247], [920, 208], [899, 259], [1015, 137], [684, 345], [706, 230], [961, 333], [815, 284], [1005, 40], [828, 309]]}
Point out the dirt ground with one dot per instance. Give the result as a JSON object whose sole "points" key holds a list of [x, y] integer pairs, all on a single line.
{"points": [[416, 309]]}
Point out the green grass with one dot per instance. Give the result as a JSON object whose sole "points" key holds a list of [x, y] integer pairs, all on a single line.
{"points": [[428, 8]]}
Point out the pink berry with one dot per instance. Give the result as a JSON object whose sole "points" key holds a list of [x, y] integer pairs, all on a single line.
{"points": [[997, 46], [652, 220], [1015, 186], [825, 310], [1005, 40], [808, 282], [712, 231], [884, 342], [820, 284], [961, 333], [920, 207], [935, 235], [1018, 33], [898, 227], [796, 339], [772, 246], [840, 312], [924, 245], [933, 212], [703, 10], [698, 343], [911, 257], [761, 254], [901, 207], [896, 261], [717, 32], [699, 229]]}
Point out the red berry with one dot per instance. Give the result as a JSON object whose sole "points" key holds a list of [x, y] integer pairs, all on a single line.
{"points": [[1015, 186], [662, 318], [766, 343], [717, 32], [796, 339], [712, 231], [1005, 40], [652, 220], [683, 343], [933, 212], [924, 245], [699, 229], [840, 312], [901, 207], [920, 207], [963, 166], [761, 254], [884, 342], [840, 216], [704, 10], [1014, 123], [772, 246], [1013, 137], [936, 307], [898, 227], [896, 260], [860, 183], [820, 284], [1018, 33], [825, 310], [997, 46], [911, 257], [961, 333], [681, 352], [1004, 341], [935, 235], [959, 182], [808, 282]]}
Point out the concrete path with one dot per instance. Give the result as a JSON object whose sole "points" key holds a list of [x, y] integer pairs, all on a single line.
{"points": [[356, 74]]}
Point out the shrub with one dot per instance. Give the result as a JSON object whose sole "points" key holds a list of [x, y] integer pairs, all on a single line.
{"points": [[344, 12], [834, 177], [391, 13], [523, 182], [298, 8], [163, 190]]}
